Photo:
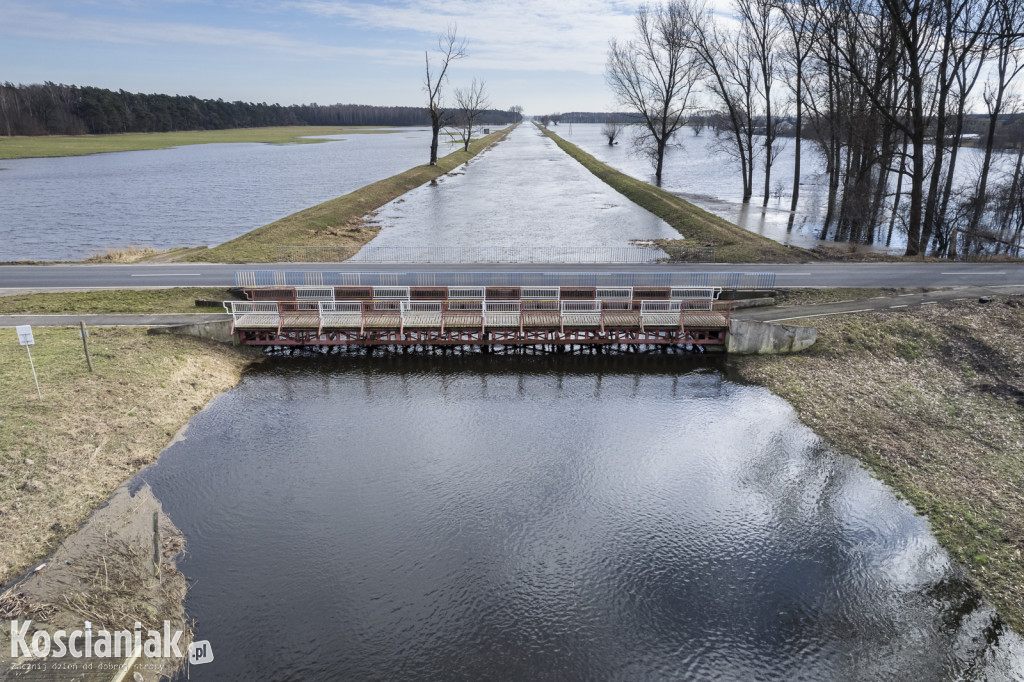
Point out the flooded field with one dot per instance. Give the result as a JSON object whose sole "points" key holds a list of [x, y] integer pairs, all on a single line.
{"points": [[474, 517], [523, 192], [71, 207], [702, 173]]}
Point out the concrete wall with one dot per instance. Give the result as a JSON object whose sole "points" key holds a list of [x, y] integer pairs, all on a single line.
{"points": [[217, 330], [758, 338]]}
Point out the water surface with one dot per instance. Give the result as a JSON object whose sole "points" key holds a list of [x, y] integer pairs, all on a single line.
{"points": [[524, 191], [471, 517], [69, 208]]}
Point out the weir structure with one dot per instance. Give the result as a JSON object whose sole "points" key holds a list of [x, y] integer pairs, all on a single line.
{"points": [[484, 309]]}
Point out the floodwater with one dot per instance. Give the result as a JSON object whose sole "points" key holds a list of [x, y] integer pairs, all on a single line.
{"points": [[699, 171], [604, 517], [69, 208], [523, 192]]}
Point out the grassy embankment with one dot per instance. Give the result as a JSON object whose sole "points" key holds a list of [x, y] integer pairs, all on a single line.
{"points": [[936, 411], [39, 146], [62, 456], [732, 243], [339, 221], [127, 301]]}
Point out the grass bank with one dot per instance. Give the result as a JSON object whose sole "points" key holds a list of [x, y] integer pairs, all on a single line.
{"points": [[23, 147], [338, 221], [732, 243], [125, 301], [936, 412], [62, 456]]}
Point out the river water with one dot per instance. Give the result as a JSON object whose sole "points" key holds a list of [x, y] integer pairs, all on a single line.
{"points": [[510, 517], [69, 208]]}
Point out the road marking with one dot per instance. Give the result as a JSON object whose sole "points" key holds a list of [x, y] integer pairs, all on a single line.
{"points": [[900, 306], [173, 274], [843, 312], [976, 274], [793, 274], [929, 303]]}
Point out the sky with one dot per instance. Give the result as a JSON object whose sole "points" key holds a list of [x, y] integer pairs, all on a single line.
{"points": [[544, 55]]}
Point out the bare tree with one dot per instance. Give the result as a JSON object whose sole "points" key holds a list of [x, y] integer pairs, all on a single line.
{"points": [[730, 70], [655, 73], [763, 36], [611, 128], [471, 102], [450, 48], [517, 113], [802, 30]]}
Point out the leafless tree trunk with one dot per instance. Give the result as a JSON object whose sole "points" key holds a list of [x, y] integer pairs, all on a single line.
{"points": [[1008, 25], [611, 128], [655, 73], [470, 102], [450, 48], [801, 25], [730, 72]]}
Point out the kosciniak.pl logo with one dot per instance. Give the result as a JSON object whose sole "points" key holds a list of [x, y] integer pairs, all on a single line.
{"points": [[101, 643]]}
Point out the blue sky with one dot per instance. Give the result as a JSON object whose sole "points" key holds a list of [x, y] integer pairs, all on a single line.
{"points": [[546, 56]]}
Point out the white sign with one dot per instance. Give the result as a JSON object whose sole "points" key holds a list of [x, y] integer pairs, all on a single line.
{"points": [[25, 334]]}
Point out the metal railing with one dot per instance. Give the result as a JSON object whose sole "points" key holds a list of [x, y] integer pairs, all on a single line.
{"points": [[635, 254], [354, 314], [296, 278]]}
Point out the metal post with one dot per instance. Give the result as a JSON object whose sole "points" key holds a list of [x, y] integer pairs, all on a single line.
{"points": [[85, 343], [33, 365]]}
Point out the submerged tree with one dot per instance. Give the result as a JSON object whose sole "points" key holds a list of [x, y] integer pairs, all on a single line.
{"points": [[654, 75], [611, 128], [471, 102], [450, 48]]}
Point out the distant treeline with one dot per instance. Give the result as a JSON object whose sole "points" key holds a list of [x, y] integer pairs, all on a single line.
{"points": [[57, 109]]}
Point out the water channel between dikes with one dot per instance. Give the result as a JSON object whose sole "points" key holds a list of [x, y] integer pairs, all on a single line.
{"points": [[475, 516]]}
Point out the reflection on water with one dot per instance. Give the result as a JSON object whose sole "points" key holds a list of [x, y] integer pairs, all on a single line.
{"points": [[702, 173], [71, 207], [475, 517], [523, 192]]}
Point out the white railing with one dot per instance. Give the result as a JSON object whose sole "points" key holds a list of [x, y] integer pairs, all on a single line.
{"points": [[466, 292], [696, 292], [539, 292], [502, 307], [264, 314], [391, 292], [341, 307], [614, 292], [308, 293], [581, 307]]}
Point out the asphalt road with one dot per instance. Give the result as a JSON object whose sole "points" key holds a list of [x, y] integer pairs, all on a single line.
{"points": [[868, 275]]}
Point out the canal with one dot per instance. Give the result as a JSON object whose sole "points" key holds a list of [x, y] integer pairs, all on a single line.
{"points": [[466, 516]]}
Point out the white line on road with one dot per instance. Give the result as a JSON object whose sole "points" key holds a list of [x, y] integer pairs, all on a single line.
{"points": [[793, 274], [975, 274], [929, 303], [900, 306], [173, 274], [800, 317]]}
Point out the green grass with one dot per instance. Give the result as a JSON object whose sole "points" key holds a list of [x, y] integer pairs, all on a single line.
{"points": [[732, 243], [340, 220], [22, 147], [123, 301]]}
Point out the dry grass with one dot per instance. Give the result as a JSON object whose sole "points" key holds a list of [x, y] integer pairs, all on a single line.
{"points": [[126, 301], [62, 456], [936, 411], [345, 220], [124, 254]]}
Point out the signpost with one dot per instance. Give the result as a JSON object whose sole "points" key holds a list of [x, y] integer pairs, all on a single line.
{"points": [[26, 339]]}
